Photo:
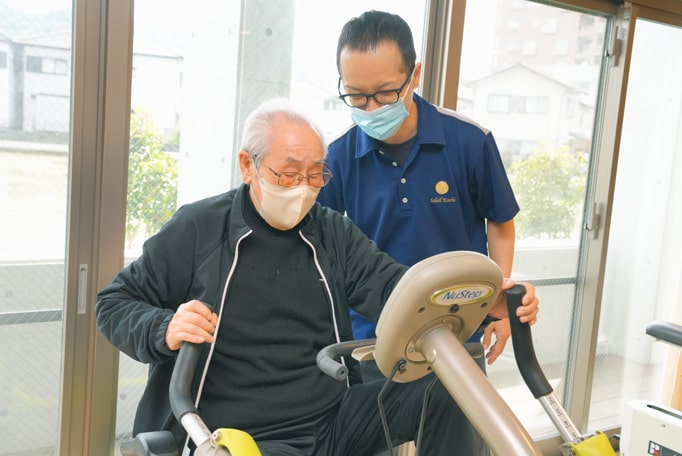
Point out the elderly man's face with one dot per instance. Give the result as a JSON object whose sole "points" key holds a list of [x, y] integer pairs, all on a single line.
{"points": [[294, 148]]}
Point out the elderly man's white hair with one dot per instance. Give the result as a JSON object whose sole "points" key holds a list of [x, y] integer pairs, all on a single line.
{"points": [[258, 126]]}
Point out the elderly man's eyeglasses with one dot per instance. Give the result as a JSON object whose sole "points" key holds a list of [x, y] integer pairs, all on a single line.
{"points": [[291, 179], [382, 97]]}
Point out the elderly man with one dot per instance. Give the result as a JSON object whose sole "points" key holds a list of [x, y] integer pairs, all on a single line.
{"points": [[265, 278]]}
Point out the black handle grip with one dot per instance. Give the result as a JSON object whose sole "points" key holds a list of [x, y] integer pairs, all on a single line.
{"points": [[327, 357], [180, 394], [180, 390], [522, 341]]}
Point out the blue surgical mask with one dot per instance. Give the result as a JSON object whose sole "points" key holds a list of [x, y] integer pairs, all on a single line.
{"points": [[381, 123]]}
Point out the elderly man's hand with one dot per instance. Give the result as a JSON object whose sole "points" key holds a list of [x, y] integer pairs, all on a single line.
{"points": [[193, 322]]}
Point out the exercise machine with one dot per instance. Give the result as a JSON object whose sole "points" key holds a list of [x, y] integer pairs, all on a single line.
{"points": [[221, 442], [649, 428], [434, 309]]}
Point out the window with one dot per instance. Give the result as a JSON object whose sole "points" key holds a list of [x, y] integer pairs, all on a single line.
{"points": [[571, 107], [498, 103], [37, 164], [530, 48], [560, 47], [550, 26], [584, 43], [191, 105], [517, 104], [546, 165], [59, 66], [586, 22], [34, 170], [513, 25], [537, 105], [643, 269], [513, 46], [34, 64], [46, 65]]}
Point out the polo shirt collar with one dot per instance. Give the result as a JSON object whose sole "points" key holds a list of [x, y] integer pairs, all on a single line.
{"points": [[429, 130]]}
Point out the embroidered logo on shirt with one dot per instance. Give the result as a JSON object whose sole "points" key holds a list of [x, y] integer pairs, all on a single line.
{"points": [[442, 188]]}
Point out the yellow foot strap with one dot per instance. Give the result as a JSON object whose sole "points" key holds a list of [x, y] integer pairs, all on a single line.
{"points": [[597, 445], [238, 443]]}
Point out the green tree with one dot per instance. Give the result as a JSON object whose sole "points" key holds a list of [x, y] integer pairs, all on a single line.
{"points": [[550, 188], [152, 179]]}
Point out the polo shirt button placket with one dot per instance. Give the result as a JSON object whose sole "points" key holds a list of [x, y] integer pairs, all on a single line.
{"points": [[404, 199]]}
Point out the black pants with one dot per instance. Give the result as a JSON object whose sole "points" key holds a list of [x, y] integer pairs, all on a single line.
{"points": [[468, 435], [354, 428]]}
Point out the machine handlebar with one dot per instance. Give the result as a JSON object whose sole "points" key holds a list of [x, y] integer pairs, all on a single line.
{"points": [[665, 331], [328, 356], [522, 341], [181, 380]]}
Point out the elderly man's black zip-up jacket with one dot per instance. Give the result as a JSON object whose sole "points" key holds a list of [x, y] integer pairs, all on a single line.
{"points": [[193, 257]]}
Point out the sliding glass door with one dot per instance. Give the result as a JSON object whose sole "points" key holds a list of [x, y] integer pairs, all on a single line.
{"points": [[531, 73], [643, 279], [35, 100], [195, 78]]}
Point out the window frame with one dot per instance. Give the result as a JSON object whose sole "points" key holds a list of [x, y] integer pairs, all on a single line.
{"points": [[102, 68]]}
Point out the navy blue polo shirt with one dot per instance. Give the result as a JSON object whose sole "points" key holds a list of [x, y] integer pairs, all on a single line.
{"points": [[438, 201]]}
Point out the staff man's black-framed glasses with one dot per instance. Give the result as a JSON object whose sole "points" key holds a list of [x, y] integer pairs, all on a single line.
{"points": [[382, 97]]}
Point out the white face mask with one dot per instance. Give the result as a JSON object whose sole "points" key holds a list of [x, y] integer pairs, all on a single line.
{"points": [[284, 207]]}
